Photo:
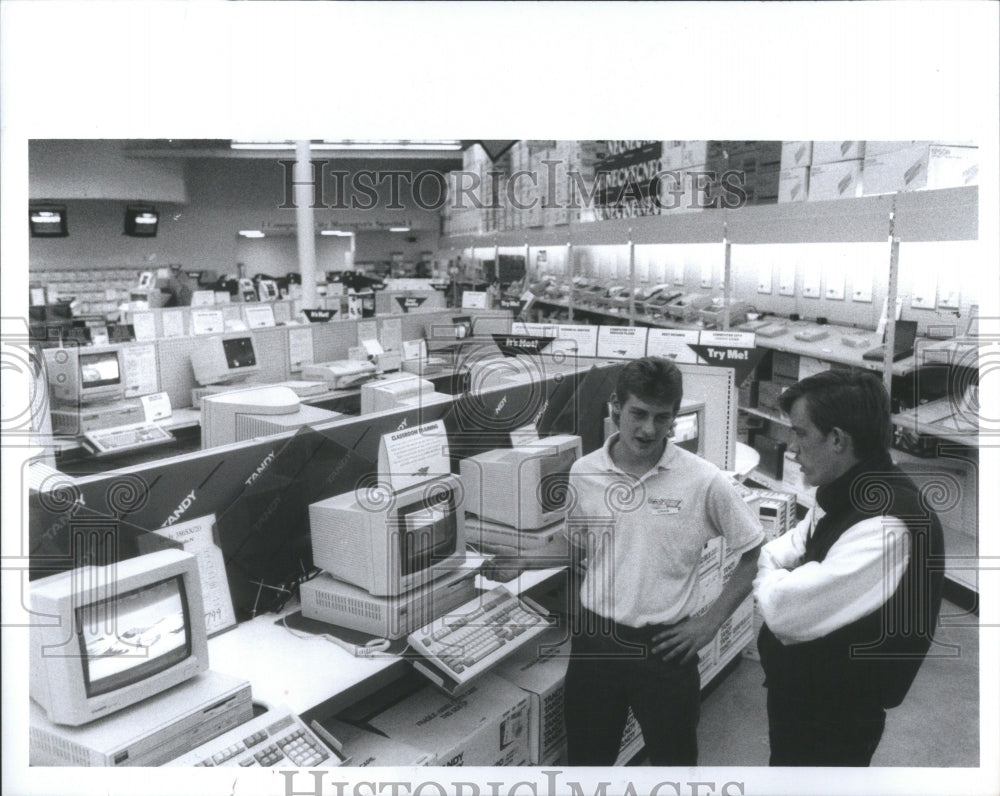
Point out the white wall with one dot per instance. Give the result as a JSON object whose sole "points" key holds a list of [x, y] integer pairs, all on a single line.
{"points": [[198, 229]]}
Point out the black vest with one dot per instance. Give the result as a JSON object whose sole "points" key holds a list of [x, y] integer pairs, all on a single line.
{"points": [[875, 658]]}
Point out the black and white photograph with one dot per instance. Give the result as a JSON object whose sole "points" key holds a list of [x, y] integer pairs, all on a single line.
{"points": [[353, 447]]}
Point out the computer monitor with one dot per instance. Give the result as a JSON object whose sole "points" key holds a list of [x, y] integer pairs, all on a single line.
{"points": [[524, 487], [224, 359], [389, 543], [255, 412], [687, 431], [86, 375], [107, 637]]}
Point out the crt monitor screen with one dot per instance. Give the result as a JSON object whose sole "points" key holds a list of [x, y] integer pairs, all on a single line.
{"points": [[129, 637], [686, 431], [99, 370], [554, 479], [428, 532], [239, 352]]}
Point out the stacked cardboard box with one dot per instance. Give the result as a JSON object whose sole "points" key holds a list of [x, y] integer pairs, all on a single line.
{"points": [[540, 671], [486, 726], [836, 170], [919, 165]]}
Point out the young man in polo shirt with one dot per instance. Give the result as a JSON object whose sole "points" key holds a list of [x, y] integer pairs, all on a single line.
{"points": [[641, 512]]}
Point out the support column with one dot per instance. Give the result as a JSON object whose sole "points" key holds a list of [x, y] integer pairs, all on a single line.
{"points": [[305, 227]]}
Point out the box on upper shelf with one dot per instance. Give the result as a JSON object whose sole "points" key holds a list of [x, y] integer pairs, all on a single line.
{"points": [[793, 184], [839, 180], [796, 154], [835, 151], [919, 167]]}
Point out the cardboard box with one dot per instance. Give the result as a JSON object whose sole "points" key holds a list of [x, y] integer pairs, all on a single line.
{"points": [[486, 726], [362, 748], [796, 154], [835, 180], [836, 151], [921, 167], [542, 677], [671, 155], [876, 148], [793, 184], [708, 661], [776, 511], [750, 650], [736, 632]]}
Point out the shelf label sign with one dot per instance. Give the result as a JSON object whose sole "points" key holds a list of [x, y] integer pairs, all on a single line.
{"points": [[621, 342], [675, 344]]}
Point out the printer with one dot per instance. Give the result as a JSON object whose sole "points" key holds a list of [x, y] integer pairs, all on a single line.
{"points": [[340, 373]]}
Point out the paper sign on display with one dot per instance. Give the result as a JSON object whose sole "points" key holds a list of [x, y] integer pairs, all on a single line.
{"points": [[197, 537], [474, 300], [156, 406], [144, 325], [621, 342], [139, 363], [410, 456], [207, 322], [300, 347], [367, 330], [675, 344], [392, 334], [414, 349], [203, 298], [585, 338], [173, 323], [372, 347], [260, 316]]}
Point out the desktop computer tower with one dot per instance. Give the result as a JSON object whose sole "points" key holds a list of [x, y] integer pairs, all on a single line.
{"points": [[148, 733]]}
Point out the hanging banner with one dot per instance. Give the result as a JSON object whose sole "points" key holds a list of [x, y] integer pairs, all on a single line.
{"points": [[737, 350], [407, 303], [512, 345]]}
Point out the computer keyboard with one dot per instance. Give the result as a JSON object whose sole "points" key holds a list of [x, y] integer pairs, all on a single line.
{"points": [[275, 738], [468, 641], [106, 441]]}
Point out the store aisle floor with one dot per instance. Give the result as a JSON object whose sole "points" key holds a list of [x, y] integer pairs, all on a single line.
{"points": [[733, 728]]}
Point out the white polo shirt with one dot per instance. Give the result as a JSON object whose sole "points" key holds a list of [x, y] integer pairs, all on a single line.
{"points": [[643, 538]]}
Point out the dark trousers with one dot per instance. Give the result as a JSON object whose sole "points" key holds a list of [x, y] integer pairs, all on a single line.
{"points": [[809, 732], [610, 670]]}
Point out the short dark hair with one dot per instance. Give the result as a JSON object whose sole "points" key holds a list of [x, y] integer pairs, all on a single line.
{"points": [[653, 379], [853, 400]]}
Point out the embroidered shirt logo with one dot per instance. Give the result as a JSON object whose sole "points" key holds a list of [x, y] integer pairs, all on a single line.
{"points": [[660, 505]]}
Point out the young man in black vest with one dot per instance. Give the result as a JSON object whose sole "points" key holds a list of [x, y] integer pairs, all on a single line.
{"points": [[850, 597]]}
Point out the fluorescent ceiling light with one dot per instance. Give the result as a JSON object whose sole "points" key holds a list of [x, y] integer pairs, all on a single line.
{"points": [[438, 144], [338, 232], [441, 144], [251, 233], [399, 229]]}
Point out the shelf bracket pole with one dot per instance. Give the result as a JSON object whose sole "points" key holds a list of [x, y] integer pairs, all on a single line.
{"points": [[890, 301], [727, 274], [631, 279], [569, 271]]}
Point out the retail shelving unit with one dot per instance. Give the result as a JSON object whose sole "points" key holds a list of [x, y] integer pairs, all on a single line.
{"points": [[894, 220]]}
